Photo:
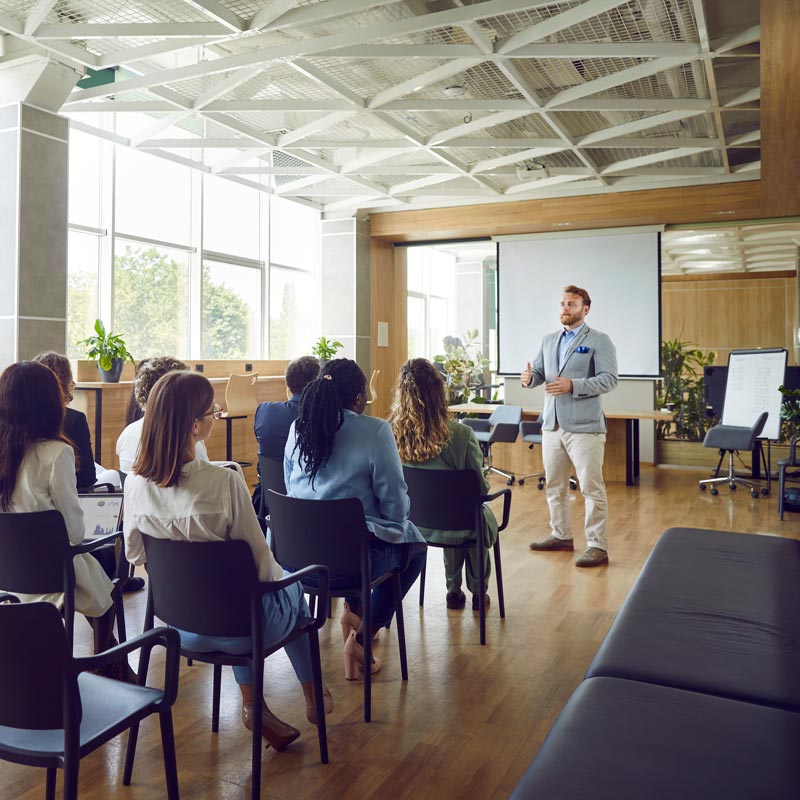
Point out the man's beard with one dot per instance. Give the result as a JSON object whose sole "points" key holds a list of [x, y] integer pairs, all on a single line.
{"points": [[569, 319]]}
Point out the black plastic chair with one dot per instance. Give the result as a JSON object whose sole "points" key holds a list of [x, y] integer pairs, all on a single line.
{"points": [[227, 604], [53, 711], [784, 467], [36, 558], [270, 473], [334, 533], [502, 426], [451, 500]]}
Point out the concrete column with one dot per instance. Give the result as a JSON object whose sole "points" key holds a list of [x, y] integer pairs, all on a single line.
{"points": [[346, 287]]}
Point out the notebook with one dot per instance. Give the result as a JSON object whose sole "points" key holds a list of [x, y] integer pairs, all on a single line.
{"points": [[102, 513]]}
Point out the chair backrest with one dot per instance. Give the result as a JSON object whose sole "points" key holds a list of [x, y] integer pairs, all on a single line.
{"points": [[34, 667], [240, 394], [329, 532], [271, 472], [531, 431], [443, 499], [34, 553], [202, 587], [505, 422], [373, 391], [759, 424]]}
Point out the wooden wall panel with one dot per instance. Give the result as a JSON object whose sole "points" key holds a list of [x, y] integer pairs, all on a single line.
{"points": [[725, 315], [780, 109]]}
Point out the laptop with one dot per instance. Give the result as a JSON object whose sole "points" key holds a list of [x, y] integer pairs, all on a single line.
{"points": [[102, 513]]}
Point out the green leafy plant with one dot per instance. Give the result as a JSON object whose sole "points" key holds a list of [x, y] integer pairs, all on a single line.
{"points": [[790, 413], [325, 349], [104, 346], [463, 367], [681, 391]]}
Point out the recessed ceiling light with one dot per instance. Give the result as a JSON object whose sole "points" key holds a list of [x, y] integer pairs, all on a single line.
{"points": [[456, 90]]}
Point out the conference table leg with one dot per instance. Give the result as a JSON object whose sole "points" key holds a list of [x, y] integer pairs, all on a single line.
{"points": [[631, 452]]}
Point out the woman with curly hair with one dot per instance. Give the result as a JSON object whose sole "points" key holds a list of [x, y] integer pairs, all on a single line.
{"points": [[335, 452], [428, 438]]}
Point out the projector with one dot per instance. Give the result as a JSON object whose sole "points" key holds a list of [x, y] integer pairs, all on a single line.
{"points": [[533, 173]]}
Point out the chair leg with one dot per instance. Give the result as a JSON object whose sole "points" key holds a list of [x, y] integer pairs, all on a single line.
{"points": [[119, 613], [498, 572], [168, 750], [781, 482], [316, 671], [50, 784], [258, 695], [312, 604], [422, 580], [133, 733], [401, 624], [215, 698], [72, 762], [481, 547]]}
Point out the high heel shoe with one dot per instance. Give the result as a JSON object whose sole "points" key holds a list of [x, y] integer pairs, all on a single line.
{"points": [[350, 621], [277, 733], [354, 658], [327, 703]]}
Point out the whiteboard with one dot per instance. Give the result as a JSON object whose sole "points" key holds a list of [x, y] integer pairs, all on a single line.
{"points": [[753, 386], [619, 270]]}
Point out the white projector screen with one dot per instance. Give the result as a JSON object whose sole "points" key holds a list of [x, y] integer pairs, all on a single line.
{"points": [[621, 272]]}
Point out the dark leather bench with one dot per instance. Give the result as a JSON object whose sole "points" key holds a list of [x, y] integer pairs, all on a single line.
{"points": [[695, 691], [626, 740]]}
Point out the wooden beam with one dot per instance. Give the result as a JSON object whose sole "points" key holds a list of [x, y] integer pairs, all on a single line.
{"points": [[780, 111]]}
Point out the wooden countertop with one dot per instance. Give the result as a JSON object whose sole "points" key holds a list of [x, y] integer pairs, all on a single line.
{"points": [[106, 385]]}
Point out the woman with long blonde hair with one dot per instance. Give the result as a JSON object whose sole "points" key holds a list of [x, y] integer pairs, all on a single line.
{"points": [[427, 437]]}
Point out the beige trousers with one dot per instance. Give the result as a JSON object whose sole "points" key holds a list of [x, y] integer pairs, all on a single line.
{"points": [[561, 452]]}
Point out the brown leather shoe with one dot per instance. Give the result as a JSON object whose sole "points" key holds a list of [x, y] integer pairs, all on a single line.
{"points": [[593, 557], [278, 733], [552, 543]]}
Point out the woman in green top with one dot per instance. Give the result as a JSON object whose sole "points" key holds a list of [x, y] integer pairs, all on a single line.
{"points": [[428, 438]]}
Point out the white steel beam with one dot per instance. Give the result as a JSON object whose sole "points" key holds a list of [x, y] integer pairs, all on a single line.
{"points": [[121, 106], [132, 30], [241, 106], [581, 50], [224, 86], [134, 54], [633, 104], [320, 124], [745, 138], [363, 162], [749, 96], [533, 186], [269, 12], [419, 183], [747, 36], [515, 158], [651, 142], [652, 158], [217, 12], [318, 76], [161, 125], [37, 15], [635, 126], [558, 22], [488, 121]]}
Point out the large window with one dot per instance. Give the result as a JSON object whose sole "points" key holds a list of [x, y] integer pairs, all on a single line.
{"points": [[83, 261], [431, 300], [231, 321]]}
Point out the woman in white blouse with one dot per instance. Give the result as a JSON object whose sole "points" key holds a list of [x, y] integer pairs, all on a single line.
{"points": [[173, 495], [37, 473]]}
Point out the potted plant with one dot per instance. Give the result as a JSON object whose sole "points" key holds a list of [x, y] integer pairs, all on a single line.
{"points": [[108, 350], [325, 349], [463, 367]]}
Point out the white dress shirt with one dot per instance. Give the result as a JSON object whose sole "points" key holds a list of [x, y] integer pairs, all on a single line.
{"points": [[128, 446], [209, 504], [46, 480]]}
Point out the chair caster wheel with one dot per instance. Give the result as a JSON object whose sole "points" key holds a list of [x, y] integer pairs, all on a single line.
{"points": [[703, 487], [540, 487], [754, 492], [510, 482], [521, 481], [714, 492], [732, 487], [765, 491]]}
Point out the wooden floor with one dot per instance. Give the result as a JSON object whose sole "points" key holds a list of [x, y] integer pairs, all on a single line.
{"points": [[470, 718]]}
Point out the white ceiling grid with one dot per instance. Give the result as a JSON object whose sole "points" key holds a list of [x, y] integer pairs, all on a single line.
{"points": [[481, 101]]}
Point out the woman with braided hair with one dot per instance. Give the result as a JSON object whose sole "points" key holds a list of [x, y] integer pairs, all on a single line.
{"points": [[428, 438], [334, 452]]}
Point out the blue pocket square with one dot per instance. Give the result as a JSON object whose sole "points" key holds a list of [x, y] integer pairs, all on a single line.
{"points": [[582, 349]]}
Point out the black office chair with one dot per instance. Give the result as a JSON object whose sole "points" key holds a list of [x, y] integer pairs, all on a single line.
{"points": [[502, 426], [53, 711], [730, 438], [36, 558], [451, 500], [531, 432], [784, 467], [334, 533], [228, 604], [270, 473]]}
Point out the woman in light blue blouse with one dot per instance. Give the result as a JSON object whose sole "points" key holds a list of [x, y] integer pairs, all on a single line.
{"points": [[334, 452]]}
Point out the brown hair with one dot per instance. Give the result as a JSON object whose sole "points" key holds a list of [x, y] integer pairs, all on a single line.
{"points": [[133, 410], [178, 399], [149, 374], [31, 411], [300, 372], [582, 293], [62, 368], [419, 412]]}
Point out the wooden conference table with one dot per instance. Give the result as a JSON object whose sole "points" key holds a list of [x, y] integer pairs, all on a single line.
{"points": [[622, 442]]}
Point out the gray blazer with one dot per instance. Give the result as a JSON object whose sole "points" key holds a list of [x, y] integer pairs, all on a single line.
{"points": [[591, 364]]}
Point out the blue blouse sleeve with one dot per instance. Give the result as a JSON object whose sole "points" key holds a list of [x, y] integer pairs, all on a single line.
{"points": [[388, 483]]}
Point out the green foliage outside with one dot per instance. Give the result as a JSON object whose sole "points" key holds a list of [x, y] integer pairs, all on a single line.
{"points": [[463, 367], [790, 413], [682, 391]]}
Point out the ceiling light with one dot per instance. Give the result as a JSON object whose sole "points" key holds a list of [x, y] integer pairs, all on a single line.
{"points": [[456, 90]]}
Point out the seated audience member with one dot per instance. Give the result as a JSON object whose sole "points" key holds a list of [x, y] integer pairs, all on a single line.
{"points": [[273, 420], [149, 373], [133, 410], [76, 427], [427, 438], [334, 452], [171, 494], [37, 473]]}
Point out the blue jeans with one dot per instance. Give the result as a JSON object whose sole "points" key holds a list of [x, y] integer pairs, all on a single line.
{"points": [[283, 611]]}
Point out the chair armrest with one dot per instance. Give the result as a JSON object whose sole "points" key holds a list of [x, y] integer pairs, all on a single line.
{"points": [[169, 638], [323, 588], [506, 494], [93, 544], [481, 425], [530, 428], [793, 448], [5, 597]]}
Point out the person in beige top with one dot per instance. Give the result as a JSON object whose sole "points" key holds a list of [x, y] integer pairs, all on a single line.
{"points": [[171, 494], [37, 473]]}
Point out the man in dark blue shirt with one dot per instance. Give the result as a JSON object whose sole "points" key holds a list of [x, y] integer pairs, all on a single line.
{"points": [[273, 420]]}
